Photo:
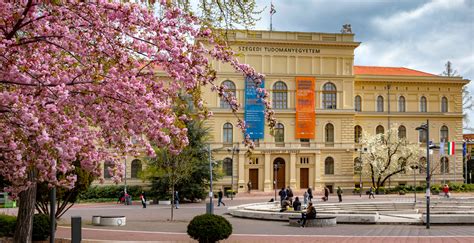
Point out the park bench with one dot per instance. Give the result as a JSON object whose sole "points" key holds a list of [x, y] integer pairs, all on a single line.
{"points": [[319, 221]]}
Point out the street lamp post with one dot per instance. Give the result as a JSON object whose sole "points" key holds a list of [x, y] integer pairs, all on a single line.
{"points": [[234, 150], [360, 170], [211, 207], [426, 127], [414, 167]]}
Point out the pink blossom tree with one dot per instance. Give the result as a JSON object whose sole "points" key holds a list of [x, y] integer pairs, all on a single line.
{"points": [[79, 80]]}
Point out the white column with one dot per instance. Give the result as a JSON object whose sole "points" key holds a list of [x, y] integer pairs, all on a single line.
{"points": [[241, 185], [268, 168], [317, 170], [293, 170]]}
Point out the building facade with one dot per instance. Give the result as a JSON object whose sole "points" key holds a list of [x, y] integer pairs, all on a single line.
{"points": [[323, 102]]}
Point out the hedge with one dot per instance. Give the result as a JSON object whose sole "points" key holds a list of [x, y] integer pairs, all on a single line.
{"points": [[40, 226], [101, 192], [435, 188]]}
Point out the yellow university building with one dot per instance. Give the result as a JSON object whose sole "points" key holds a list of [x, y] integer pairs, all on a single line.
{"points": [[322, 103]]}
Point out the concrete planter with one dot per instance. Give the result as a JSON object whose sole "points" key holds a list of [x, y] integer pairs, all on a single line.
{"points": [[164, 202]]}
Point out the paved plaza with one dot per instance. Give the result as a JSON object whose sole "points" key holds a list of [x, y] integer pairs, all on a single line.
{"points": [[152, 224]]}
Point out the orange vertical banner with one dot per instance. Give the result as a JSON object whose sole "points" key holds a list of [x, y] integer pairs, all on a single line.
{"points": [[305, 115]]}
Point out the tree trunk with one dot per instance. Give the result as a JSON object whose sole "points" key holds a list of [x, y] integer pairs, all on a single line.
{"points": [[26, 210]]}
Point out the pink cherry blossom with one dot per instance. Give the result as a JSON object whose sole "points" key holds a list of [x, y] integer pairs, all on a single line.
{"points": [[78, 80]]}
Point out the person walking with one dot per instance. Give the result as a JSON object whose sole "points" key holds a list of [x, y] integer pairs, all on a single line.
{"points": [[249, 186], [282, 195], [446, 190], [176, 199], [339, 193], [219, 198], [305, 198], [326, 193], [371, 192], [143, 199], [310, 194], [309, 214]]}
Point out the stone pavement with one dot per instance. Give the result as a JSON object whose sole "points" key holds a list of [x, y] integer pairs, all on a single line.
{"points": [[152, 224]]}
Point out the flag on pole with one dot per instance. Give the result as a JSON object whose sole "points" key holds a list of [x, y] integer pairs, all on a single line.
{"points": [[272, 9], [464, 149], [451, 148], [441, 148]]}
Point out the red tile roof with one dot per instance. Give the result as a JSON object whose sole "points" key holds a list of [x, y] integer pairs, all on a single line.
{"points": [[390, 71]]}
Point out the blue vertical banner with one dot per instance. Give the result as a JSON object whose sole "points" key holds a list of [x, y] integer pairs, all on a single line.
{"points": [[254, 110]]}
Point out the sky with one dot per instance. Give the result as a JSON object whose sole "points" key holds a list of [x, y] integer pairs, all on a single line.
{"points": [[417, 34]]}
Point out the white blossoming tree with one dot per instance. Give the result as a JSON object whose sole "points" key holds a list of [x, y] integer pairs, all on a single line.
{"points": [[387, 155]]}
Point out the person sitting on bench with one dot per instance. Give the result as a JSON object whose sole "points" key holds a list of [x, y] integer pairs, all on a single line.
{"points": [[309, 214]]}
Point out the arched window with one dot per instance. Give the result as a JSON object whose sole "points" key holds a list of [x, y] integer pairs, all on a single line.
{"points": [[107, 165], [227, 166], [401, 104], [358, 103], [228, 136], [402, 132], [444, 134], [423, 105], [230, 89], [357, 166], [329, 166], [136, 168], [444, 165], [379, 129], [329, 131], [357, 133], [329, 96], [280, 95], [380, 104], [444, 104], [279, 133]]}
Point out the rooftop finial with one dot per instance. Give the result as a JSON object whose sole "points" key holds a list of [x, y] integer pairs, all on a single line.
{"points": [[346, 29]]}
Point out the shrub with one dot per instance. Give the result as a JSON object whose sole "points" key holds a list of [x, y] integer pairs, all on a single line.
{"points": [[381, 190], [7, 225], [96, 192], [209, 228], [41, 227]]}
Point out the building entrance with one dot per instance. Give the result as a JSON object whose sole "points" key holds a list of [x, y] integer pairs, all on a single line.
{"points": [[253, 177], [304, 177], [279, 172]]}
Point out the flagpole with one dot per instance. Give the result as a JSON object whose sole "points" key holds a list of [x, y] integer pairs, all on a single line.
{"points": [[454, 165], [271, 15]]}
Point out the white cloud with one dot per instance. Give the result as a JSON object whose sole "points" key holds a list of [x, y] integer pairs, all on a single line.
{"points": [[403, 18]]}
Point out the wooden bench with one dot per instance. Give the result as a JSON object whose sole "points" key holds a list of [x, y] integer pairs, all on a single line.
{"points": [[319, 221]]}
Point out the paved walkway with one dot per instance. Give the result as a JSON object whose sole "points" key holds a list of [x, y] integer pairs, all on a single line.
{"points": [[152, 224]]}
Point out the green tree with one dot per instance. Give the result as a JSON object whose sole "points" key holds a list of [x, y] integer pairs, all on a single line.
{"points": [[187, 172]]}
